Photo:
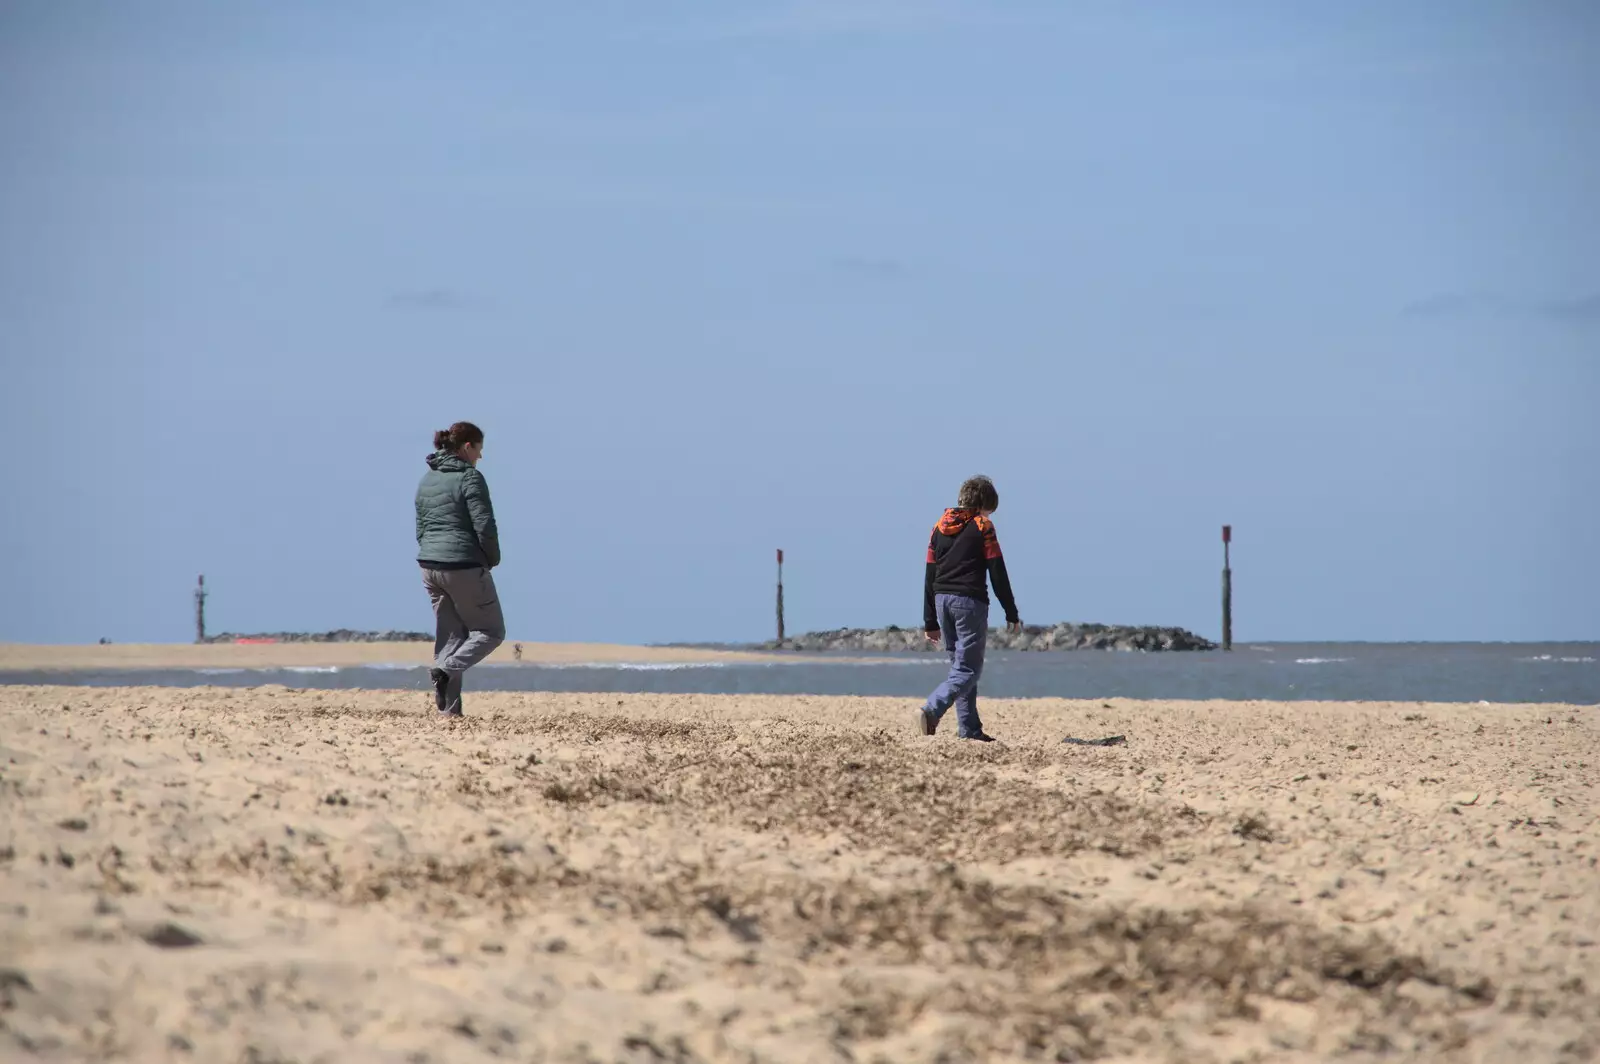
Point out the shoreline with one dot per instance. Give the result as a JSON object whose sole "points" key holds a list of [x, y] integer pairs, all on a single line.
{"points": [[508, 703], [76, 657], [20, 657]]}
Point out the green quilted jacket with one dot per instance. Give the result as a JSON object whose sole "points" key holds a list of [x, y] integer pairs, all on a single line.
{"points": [[455, 519]]}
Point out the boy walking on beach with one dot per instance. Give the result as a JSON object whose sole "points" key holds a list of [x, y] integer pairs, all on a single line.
{"points": [[963, 556]]}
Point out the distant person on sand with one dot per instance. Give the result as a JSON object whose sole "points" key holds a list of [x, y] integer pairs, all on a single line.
{"points": [[963, 553], [457, 545]]}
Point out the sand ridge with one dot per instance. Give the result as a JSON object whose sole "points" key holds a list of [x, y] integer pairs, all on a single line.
{"points": [[218, 874]]}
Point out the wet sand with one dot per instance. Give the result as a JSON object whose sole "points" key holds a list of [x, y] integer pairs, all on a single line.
{"points": [[20, 656], [266, 874]]}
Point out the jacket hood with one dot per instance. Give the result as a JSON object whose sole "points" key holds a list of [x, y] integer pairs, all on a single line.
{"points": [[446, 462], [954, 520]]}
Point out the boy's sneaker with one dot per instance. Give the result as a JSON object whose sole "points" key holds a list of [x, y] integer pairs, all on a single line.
{"points": [[981, 737], [926, 725]]}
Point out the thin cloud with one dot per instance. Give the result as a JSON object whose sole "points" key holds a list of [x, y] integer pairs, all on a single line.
{"points": [[1455, 305], [869, 268], [834, 18], [1581, 310], [427, 299]]}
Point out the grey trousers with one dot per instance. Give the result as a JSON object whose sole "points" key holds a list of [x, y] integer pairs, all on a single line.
{"points": [[468, 623]]}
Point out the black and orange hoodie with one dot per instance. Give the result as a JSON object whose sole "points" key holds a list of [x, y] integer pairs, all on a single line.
{"points": [[962, 552]]}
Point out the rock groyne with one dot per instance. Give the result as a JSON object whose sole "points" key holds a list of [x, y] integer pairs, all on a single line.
{"points": [[1064, 636], [341, 635]]}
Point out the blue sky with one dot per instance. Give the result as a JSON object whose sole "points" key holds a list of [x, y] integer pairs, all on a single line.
{"points": [[722, 277]]}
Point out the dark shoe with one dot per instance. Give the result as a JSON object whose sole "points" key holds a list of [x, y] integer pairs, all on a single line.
{"points": [[981, 737], [926, 725], [441, 687]]}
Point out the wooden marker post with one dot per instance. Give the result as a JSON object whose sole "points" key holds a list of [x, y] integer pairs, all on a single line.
{"points": [[200, 610], [1227, 589], [780, 597]]}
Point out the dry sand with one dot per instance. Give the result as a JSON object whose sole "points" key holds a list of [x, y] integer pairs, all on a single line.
{"points": [[20, 656], [277, 875]]}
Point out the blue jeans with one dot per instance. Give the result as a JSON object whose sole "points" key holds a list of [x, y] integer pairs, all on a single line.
{"points": [[965, 624]]}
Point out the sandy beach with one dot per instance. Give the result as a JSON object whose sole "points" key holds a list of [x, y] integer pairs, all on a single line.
{"points": [[274, 875], [18, 656]]}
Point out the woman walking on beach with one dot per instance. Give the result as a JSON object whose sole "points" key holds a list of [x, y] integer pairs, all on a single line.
{"points": [[457, 545]]}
